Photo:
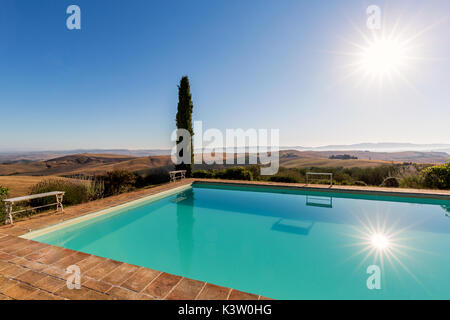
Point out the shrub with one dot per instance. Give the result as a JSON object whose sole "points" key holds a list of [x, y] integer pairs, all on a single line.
{"points": [[390, 182], [341, 177], [118, 181], [289, 175], [76, 192], [284, 178], [3, 192], [255, 170], [409, 176], [437, 177], [96, 189], [372, 176], [151, 177], [3, 195], [203, 174], [412, 181], [343, 182], [236, 173]]}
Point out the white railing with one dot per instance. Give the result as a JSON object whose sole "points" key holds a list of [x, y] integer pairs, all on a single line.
{"points": [[9, 203], [179, 174], [319, 174]]}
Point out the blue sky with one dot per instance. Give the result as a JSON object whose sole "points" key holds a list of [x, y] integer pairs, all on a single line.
{"points": [[252, 64]]}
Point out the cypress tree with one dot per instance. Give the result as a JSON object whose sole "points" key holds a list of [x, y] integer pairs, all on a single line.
{"points": [[184, 120]]}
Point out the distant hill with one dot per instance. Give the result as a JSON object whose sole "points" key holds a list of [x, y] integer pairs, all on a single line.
{"points": [[13, 156], [135, 164], [294, 158], [307, 159], [82, 164], [91, 164], [444, 150], [377, 147]]}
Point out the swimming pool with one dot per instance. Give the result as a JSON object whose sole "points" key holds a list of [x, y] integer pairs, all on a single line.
{"points": [[279, 243]]}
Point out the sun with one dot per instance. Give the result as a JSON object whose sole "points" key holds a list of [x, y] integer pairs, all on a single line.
{"points": [[383, 57], [386, 57], [379, 241]]}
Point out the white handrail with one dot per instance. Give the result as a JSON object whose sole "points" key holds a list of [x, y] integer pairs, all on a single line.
{"points": [[322, 174], [10, 202], [174, 175]]}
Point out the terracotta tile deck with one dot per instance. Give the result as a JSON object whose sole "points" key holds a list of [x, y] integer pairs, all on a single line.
{"points": [[35, 271], [32, 270], [44, 278]]}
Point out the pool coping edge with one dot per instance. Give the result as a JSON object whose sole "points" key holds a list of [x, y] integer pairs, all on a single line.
{"points": [[95, 214], [404, 193]]}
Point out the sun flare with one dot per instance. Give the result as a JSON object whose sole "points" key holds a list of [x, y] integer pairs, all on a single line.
{"points": [[379, 241], [386, 57], [383, 56]]}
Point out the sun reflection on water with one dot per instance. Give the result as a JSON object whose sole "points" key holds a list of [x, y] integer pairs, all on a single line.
{"points": [[380, 240]]}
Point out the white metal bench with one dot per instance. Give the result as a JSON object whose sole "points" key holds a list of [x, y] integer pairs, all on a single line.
{"points": [[179, 174], [10, 202], [319, 174]]}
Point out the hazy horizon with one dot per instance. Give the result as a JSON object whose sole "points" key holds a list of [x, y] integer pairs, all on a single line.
{"points": [[375, 146]]}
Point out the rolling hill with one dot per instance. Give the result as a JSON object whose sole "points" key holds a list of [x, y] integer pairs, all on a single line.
{"points": [[94, 164], [12, 156], [82, 164], [306, 159], [378, 147], [135, 164], [301, 159]]}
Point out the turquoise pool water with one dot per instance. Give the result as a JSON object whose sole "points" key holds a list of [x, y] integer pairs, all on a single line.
{"points": [[282, 244]]}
